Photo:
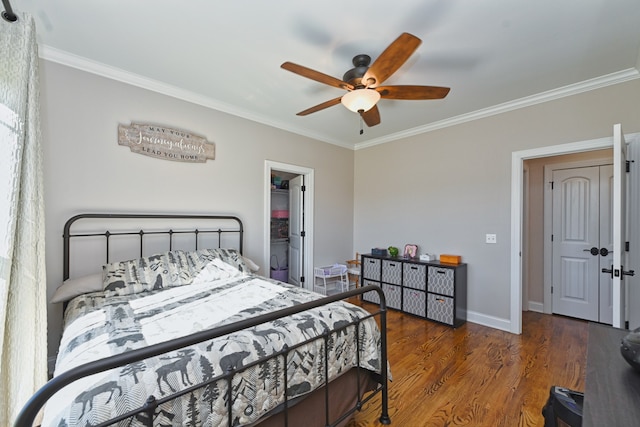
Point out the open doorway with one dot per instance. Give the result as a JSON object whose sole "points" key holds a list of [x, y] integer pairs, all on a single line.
{"points": [[543, 188], [518, 217], [288, 216]]}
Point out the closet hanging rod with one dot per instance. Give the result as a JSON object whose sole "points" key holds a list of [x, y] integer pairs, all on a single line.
{"points": [[8, 14]]}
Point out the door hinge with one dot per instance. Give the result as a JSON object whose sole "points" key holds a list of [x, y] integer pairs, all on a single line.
{"points": [[301, 279], [303, 188], [552, 289], [552, 237], [551, 182], [302, 233], [628, 166], [626, 246]]}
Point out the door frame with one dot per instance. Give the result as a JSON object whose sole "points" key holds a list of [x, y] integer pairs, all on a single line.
{"points": [[269, 166], [517, 214], [548, 221], [633, 205]]}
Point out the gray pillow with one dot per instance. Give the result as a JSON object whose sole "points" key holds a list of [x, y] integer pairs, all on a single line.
{"points": [[71, 288]]}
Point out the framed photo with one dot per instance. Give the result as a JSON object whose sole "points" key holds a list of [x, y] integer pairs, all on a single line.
{"points": [[410, 251]]}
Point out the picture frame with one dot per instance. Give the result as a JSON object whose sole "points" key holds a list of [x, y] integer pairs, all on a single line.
{"points": [[410, 251]]}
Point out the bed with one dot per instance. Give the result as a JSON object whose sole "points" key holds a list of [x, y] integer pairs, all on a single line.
{"points": [[185, 333]]}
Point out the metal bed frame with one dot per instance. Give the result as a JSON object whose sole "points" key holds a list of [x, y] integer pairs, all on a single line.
{"points": [[148, 411], [236, 228]]}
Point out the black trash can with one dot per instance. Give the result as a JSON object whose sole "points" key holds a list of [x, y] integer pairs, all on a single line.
{"points": [[564, 408]]}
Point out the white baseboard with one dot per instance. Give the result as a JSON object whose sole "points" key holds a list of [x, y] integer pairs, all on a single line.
{"points": [[490, 321], [497, 322], [538, 307]]}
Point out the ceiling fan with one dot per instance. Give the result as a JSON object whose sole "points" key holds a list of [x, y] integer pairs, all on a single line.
{"points": [[363, 81]]}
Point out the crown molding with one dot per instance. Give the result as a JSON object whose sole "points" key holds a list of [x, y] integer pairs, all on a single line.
{"points": [[64, 58], [562, 92], [74, 61]]}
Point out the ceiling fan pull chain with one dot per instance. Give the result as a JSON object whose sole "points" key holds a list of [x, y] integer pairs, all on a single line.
{"points": [[361, 129]]}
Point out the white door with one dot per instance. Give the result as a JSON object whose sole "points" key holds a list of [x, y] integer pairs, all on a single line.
{"points": [[296, 230], [619, 218], [606, 244], [575, 235], [575, 211], [633, 232]]}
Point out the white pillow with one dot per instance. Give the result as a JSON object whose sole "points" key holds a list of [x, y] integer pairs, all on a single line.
{"points": [[252, 265], [71, 288]]}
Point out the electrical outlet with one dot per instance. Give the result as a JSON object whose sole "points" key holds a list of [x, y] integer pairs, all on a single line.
{"points": [[491, 238]]}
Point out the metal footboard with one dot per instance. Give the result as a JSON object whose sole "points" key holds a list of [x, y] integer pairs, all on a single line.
{"points": [[150, 410]]}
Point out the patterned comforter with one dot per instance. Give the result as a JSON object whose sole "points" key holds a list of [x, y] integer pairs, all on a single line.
{"points": [[102, 324]]}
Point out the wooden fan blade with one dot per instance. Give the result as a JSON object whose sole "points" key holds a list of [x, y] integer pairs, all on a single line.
{"points": [[319, 107], [371, 117], [412, 92], [391, 59], [316, 75]]}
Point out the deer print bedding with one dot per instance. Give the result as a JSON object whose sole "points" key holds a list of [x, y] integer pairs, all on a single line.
{"points": [[102, 324]]}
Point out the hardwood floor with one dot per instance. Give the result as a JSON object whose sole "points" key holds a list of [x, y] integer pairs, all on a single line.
{"points": [[475, 375]]}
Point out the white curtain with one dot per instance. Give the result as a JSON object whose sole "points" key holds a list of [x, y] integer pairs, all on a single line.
{"points": [[23, 316]]}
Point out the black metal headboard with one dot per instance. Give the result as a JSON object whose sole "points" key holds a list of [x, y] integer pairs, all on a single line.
{"points": [[112, 225]]}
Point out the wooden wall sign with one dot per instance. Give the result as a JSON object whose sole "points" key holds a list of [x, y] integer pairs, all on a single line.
{"points": [[165, 143]]}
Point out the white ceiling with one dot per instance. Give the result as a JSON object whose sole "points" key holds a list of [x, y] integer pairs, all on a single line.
{"points": [[495, 55]]}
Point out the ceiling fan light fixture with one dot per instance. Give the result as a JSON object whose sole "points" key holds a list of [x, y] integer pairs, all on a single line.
{"points": [[360, 99]]}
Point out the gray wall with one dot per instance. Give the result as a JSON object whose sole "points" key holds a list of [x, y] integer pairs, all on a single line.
{"points": [[444, 190], [87, 171]]}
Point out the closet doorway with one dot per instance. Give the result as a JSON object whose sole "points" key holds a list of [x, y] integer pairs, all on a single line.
{"points": [[288, 223]]}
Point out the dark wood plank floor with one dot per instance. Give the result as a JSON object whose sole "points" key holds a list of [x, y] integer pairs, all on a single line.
{"points": [[475, 375]]}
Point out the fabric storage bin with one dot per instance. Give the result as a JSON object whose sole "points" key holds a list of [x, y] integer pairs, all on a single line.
{"points": [[371, 296], [440, 280], [414, 302], [393, 295], [440, 308], [278, 272], [280, 214], [392, 272], [415, 276], [371, 268], [281, 274]]}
